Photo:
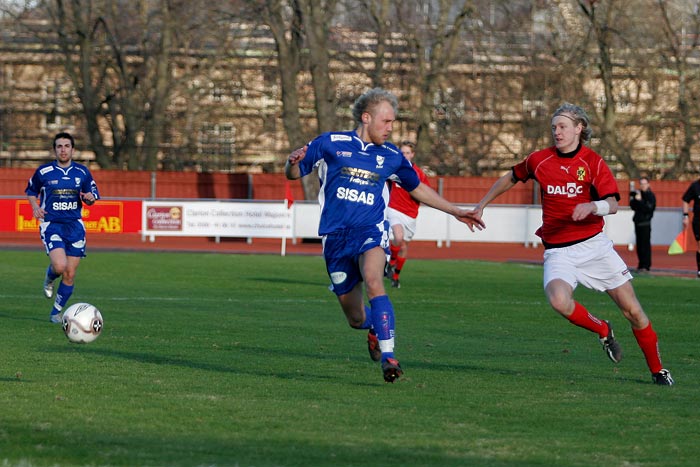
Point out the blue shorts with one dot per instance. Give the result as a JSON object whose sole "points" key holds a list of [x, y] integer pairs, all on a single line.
{"points": [[342, 251], [69, 236]]}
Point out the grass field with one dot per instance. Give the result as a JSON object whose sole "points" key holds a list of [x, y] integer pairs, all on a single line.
{"points": [[227, 360]]}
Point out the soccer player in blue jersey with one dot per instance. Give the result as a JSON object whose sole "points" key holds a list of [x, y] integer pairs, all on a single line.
{"points": [[353, 167], [57, 192]]}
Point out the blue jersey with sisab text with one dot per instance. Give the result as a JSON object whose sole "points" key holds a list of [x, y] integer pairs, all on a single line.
{"points": [[353, 177], [59, 190]]}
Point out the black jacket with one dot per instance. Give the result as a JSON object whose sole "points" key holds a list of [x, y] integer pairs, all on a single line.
{"points": [[644, 209]]}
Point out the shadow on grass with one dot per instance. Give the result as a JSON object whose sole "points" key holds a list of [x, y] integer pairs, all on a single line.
{"points": [[284, 280], [275, 447], [258, 371], [253, 354]]}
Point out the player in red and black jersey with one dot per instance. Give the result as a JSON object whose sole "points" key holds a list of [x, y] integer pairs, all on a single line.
{"points": [[578, 189], [402, 214]]}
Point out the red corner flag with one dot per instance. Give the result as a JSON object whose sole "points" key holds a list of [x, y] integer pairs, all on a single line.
{"points": [[288, 194], [679, 244]]}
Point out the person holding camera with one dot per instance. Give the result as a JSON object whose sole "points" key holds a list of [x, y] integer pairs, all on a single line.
{"points": [[643, 203]]}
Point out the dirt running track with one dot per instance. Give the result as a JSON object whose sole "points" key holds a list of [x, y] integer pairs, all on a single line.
{"points": [[662, 263]]}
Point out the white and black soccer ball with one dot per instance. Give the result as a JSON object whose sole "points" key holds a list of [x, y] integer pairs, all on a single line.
{"points": [[82, 323]]}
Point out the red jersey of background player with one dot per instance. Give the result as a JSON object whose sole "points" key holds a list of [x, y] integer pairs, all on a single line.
{"points": [[566, 180], [401, 200]]}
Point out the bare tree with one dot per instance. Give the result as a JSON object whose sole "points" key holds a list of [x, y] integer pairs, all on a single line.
{"points": [[285, 21], [432, 31], [617, 51], [317, 17], [119, 58], [364, 37], [77, 34], [680, 29]]}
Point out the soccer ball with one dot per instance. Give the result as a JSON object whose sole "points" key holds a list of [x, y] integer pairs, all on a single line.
{"points": [[82, 323]]}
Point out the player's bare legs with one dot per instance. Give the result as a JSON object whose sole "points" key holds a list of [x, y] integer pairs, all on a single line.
{"points": [[397, 231], [359, 317], [381, 312], [626, 300], [372, 265], [561, 297], [648, 341], [65, 267], [353, 306]]}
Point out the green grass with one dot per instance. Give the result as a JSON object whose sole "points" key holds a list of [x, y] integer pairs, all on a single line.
{"points": [[235, 360]]}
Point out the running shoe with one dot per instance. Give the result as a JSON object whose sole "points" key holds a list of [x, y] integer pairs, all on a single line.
{"points": [[48, 288], [391, 369], [663, 378], [373, 347], [611, 346]]}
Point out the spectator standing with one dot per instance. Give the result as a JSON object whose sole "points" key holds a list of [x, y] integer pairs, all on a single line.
{"points": [[643, 203]]}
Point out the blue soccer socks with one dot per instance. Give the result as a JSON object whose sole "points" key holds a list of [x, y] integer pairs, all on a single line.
{"points": [[62, 295], [383, 323]]}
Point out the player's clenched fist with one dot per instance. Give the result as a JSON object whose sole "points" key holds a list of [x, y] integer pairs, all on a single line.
{"points": [[297, 155]]}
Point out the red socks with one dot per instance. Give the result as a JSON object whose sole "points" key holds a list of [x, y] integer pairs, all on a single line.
{"points": [[394, 253], [646, 338], [398, 266], [582, 318], [649, 343]]}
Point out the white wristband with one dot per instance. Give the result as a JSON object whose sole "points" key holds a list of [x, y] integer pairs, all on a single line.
{"points": [[601, 208]]}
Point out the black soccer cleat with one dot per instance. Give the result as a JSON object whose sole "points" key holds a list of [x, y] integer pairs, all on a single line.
{"points": [[395, 283], [375, 352], [388, 270], [391, 369], [611, 346], [663, 378]]}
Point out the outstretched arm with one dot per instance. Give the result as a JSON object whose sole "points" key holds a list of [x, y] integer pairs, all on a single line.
{"points": [[500, 186], [430, 197]]}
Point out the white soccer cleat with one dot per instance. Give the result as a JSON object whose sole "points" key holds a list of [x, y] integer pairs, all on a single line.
{"points": [[48, 288]]}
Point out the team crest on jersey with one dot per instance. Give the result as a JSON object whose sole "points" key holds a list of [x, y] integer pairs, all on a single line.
{"points": [[581, 174], [77, 181], [341, 138], [380, 162]]}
